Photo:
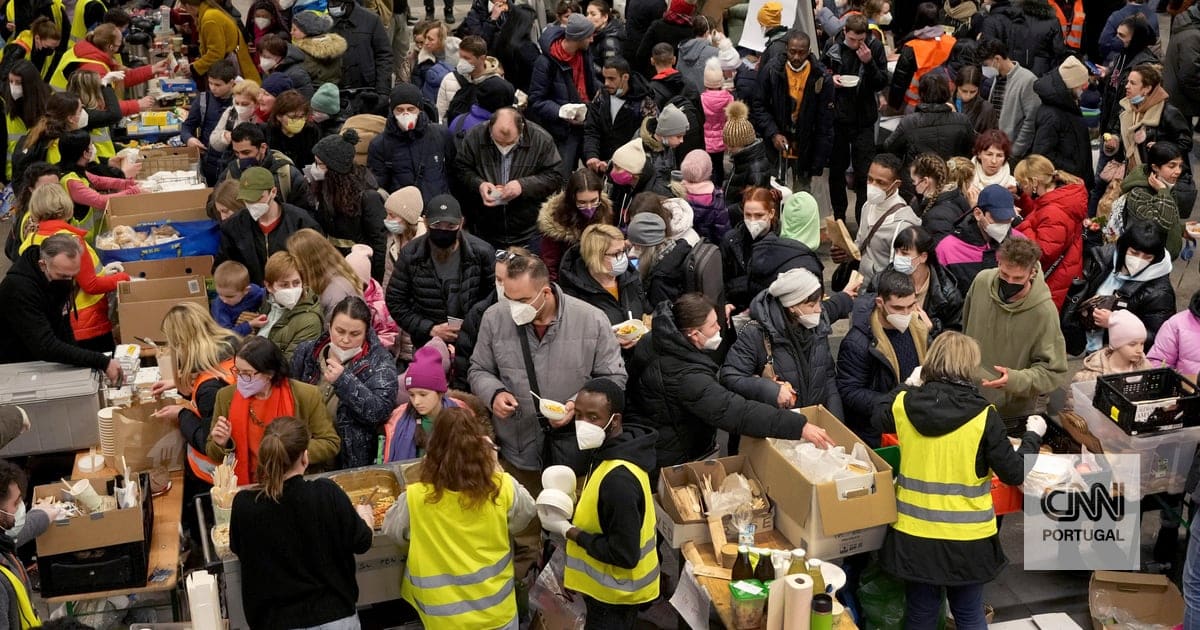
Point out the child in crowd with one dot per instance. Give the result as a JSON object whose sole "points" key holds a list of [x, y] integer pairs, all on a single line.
{"points": [[238, 299], [385, 326], [407, 430], [707, 200], [206, 112], [1125, 352], [714, 100]]}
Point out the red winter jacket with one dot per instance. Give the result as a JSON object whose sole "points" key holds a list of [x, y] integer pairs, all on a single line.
{"points": [[1055, 222]]}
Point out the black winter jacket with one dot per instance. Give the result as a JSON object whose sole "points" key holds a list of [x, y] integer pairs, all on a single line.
{"points": [[750, 266], [365, 227], [751, 169], [998, 22], [420, 157], [1181, 74], [678, 395], [947, 209], [419, 300], [607, 44], [943, 300], [602, 135], [1112, 88], [366, 393], [1153, 301], [37, 316], [812, 132], [934, 410], [368, 60], [1059, 132], [1036, 39], [243, 241], [294, 191], [856, 107], [479, 22], [535, 163], [932, 128], [639, 15], [660, 31], [292, 65], [299, 148], [575, 280], [668, 277], [665, 88], [552, 86], [801, 357]]}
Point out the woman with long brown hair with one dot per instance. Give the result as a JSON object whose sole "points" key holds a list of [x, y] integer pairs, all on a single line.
{"points": [[296, 539], [455, 524], [347, 200], [323, 269], [565, 215]]}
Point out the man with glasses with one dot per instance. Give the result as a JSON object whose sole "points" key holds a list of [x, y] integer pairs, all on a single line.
{"points": [[439, 276], [886, 342]]}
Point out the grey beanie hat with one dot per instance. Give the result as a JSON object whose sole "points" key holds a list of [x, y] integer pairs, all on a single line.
{"points": [[671, 122], [337, 151], [312, 23], [647, 230], [579, 27]]}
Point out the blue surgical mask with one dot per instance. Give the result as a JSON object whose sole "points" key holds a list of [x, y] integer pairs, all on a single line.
{"points": [[1137, 100], [903, 264]]}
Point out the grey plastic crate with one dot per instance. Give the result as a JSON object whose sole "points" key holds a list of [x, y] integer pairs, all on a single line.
{"points": [[61, 401]]}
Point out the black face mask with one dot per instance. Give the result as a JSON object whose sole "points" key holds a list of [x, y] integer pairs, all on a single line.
{"points": [[1009, 290], [443, 238]]}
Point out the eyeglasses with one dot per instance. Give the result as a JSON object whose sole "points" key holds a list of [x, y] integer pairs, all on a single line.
{"points": [[245, 375], [504, 256]]}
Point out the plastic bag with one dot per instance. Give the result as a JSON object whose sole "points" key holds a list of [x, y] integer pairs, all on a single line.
{"points": [[547, 598], [882, 601]]}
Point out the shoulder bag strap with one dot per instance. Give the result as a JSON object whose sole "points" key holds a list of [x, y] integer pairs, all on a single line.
{"points": [[531, 374], [878, 224]]}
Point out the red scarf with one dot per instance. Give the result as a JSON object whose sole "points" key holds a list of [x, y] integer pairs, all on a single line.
{"points": [[559, 52], [248, 420]]}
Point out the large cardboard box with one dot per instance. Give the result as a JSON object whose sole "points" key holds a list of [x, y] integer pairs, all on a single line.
{"points": [[167, 158], [171, 268], [180, 205], [141, 306], [832, 519], [1151, 599], [677, 530]]}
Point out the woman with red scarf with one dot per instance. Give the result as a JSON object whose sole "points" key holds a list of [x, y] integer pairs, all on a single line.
{"points": [[262, 393]]}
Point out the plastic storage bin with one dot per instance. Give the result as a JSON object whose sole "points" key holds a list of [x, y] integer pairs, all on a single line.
{"points": [[61, 401], [1166, 457], [1149, 401]]}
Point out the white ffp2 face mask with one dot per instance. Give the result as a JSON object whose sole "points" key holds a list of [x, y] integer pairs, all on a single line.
{"points": [[757, 228], [262, 24], [997, 231], [288, 298], [899, 322], [1135, 264], [344, 355], [809, 320], [258, 210], [589, 436]]}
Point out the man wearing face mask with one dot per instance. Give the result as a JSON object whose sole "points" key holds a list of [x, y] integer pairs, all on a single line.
{"points": [[411, 151], [368, 59], [615, 115], [1012, 94], [460, 89], [509, 167], [886, 341], [885, 214], [251, 237], [37, 293], [1009, 311], [20, 526], [971, 248], [789, 331], [558, 344], [611, 558], [440, 275], [248, 142], [793, 109]]}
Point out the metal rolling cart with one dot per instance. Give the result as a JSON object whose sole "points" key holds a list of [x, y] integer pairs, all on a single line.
{"points": [[379, 570]]}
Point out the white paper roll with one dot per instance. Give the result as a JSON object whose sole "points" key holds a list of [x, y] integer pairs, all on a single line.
{"points": [[775, 605], [798, 594]]}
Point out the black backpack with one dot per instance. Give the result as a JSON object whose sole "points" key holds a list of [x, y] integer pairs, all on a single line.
{"points": [[703, 255]]}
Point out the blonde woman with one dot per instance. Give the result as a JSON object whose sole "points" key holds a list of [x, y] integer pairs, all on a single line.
{"points": [[952, 437], [244, 109], [597, 271], [102, 107], [1054, 204], [403, 222], [323, 269], [50, 213]]}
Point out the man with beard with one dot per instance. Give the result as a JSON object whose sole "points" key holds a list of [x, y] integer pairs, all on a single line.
{"points": [[615, 115], [440, 275], [38, 293]]}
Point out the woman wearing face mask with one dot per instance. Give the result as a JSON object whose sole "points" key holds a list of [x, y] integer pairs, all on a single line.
{"points": [[261, 393], [323, 268], [243, 110], [25, 97], [277, 56], [356, 376], [1136, 270], [992, 152], [597, 271], [265, 19], [1054, 204], [565, 215], [678, 394], [782, 358], [979, 110], [37, 44], [290, 315], [89, 191], [753, 254], [661, 261], [63, 113], [288, 128], [403, 223], [1138, 40], [103, 108], [99, 53], [1147, 196], [938, 297], [349, 206], [942, 204]]}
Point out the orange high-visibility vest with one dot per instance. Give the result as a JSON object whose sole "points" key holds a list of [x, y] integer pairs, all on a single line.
{"points": [[198, 461], [1073, 28], [929, 54]]}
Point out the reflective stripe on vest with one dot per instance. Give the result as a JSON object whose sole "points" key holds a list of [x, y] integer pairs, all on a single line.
{"points": [[29, 618], [89, 220], [79, 29], [459, 572], [104, 144], [938, 494], [1074, 33], [929, 54], [605, 582], [16, 134], [199, 462]]}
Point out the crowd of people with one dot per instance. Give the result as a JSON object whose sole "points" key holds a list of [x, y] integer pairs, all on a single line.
{"points": [[445, 243]]}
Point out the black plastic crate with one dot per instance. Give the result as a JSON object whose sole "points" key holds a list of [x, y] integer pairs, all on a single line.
{"points": [[107, 568], [1149, 401]]}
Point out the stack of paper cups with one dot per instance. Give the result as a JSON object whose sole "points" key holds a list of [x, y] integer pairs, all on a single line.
{"points": [[797, 601], [108, 436]]}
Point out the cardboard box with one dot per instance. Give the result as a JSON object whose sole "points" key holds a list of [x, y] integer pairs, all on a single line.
{"points": [[827, 519], [179, 205], [141, 306], [379, 572], [675, 528], [1152, 599], [98, 530], [171, 268]]}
